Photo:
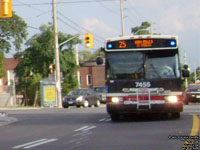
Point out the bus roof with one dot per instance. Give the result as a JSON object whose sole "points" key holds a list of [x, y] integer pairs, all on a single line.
{"points": [[141, 42], [142, 37]]}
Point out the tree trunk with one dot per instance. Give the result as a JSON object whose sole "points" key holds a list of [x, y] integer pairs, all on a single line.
{"points": [[36, 98]]}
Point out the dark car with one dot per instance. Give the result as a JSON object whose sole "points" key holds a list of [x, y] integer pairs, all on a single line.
{"points": [[101, 91], [81, 97], [192, 94]]}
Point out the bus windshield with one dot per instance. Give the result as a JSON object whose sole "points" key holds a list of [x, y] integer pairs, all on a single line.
{"points": [[156, 64]]}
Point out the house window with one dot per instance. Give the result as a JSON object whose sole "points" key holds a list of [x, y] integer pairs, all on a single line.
{"points": [[89, 79]]}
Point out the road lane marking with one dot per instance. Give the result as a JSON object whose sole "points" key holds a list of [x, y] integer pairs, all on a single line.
{"points": [[44, 142], [189, 143], [195, 127], [81, 128], [26, 144], [102, 119], [108, 120], [90, 128]]}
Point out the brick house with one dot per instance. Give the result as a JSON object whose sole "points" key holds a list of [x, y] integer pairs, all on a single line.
{"points": [[91, 74], [9, 65]]}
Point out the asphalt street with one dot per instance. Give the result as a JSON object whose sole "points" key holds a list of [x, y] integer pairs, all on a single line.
{"points": [[92, 129]]}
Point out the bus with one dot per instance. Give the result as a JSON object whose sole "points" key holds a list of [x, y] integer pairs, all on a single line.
{"points": [[143, 75]]}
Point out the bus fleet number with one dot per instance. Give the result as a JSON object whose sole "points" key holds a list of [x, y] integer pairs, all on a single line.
{"points": [[142, 84]]}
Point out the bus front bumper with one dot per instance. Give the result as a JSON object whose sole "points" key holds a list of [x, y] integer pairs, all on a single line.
{"points": [[154, 108]]}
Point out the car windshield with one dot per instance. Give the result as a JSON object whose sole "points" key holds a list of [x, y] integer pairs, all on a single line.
{"points": [[143, 65], [78, 92]]}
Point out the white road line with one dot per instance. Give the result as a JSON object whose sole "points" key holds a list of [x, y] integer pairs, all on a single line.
{"points": [[102, 119], [108, 120], [90, 128], [44, 142], [81, 128], [26, 144]]}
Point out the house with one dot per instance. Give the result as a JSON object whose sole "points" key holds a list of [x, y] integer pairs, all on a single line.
{"points": [[91, 74], [9, 65], [7, 86]]}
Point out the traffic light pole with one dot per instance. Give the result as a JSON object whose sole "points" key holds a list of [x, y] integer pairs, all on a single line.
{"points": [[57, 59]]}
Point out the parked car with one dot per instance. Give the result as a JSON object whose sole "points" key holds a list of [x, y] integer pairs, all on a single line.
{"points": [[81, 97], [192, 94], [101, 91]]}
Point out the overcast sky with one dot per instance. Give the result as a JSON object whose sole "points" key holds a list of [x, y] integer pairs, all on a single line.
{"points": [[102, 18]]}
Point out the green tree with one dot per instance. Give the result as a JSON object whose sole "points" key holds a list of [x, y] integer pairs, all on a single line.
{"points": [[13, 32], [143, 29], [87, 55], [40, 54]]}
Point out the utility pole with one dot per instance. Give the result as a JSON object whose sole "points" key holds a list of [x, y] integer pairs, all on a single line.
{"points": [[185, 61], [57, 59], [122, 16], [77, 63]]}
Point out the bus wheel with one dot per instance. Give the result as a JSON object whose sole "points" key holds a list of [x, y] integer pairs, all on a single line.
{"points": [[115, 117]]}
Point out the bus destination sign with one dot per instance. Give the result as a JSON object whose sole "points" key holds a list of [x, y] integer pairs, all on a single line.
{"points": [[141, 43]]}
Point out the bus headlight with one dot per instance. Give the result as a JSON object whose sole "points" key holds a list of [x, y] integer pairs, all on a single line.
{"points": [[116, 99], [172, 99]]}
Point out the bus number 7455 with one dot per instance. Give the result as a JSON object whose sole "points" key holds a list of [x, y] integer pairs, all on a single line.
{"points": [[142, 84]]}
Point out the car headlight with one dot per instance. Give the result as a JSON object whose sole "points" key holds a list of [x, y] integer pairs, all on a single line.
{"points": [[172, 99], [116, 99], [80, 98]]}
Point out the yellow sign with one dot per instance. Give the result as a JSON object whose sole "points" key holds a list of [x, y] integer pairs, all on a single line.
{"points": [[50, 94]]}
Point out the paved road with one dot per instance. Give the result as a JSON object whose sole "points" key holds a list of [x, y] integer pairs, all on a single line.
{"points": [[92, 129]]}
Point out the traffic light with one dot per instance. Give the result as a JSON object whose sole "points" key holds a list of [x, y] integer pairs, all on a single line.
{"points": [[5, 8], [51, 68], [88, 40]]}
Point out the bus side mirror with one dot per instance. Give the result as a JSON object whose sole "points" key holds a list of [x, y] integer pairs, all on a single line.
{"points": [[99, 61], [185, 71]]}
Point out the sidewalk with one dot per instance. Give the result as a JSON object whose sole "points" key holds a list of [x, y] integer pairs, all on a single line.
{"points": [[5, 119]]}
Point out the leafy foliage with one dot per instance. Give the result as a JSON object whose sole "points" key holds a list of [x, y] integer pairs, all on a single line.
{"points": [[91, 56], [142, 29], [12, 32], [38, 57]]}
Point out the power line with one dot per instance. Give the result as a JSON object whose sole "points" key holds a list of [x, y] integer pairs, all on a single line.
{"points": [[80, 31], [84, 29], [85, 1]]}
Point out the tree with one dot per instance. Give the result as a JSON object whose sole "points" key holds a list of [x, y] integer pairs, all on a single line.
{"points": [[142, 29], [91, 56], [13, 32], [40, 54]]}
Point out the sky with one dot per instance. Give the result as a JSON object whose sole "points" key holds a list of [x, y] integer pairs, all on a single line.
{"points": [[102, 19]]}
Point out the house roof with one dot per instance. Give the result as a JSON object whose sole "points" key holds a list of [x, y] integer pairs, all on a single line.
{"points": [[11, 63]]}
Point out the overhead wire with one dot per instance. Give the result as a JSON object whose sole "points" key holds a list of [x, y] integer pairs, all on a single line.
{"points": [[30, 6], [80, 31], [82, 28], [47, 3]]}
